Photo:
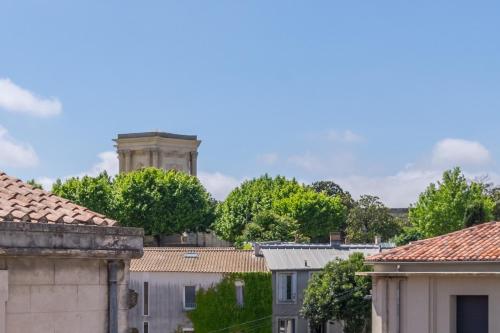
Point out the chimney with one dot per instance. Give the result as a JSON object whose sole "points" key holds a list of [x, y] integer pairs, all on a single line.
{"points": [[378, 240], [335, 239], [256, 250]]}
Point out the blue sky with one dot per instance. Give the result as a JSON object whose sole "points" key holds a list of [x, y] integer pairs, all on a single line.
{"points": [[380, 96]]}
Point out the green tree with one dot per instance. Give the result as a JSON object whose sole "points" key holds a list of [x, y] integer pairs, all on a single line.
{"points": [[409, 234], [333, 189], [316, 213], [35, 184], [249, 199], [450, 205], [369, 218], [338, 293], [95, 193], [162, 202], [268, 226]]}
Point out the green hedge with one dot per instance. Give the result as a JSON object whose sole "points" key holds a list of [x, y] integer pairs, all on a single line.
{"points": [[216, 308]]}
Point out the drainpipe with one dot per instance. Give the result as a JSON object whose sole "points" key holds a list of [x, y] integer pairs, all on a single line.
{"points": [[113, 295]]}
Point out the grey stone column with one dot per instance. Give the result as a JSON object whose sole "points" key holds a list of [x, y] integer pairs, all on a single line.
{"points": [[4, 295], [194, 163]]}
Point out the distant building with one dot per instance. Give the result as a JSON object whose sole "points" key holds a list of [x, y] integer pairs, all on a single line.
{"points": [[292, 265], [449, 283], [166, 280], [157, 149], [63, 268]]}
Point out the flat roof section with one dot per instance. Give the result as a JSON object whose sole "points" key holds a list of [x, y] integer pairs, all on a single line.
{"points": [[159, 134]]}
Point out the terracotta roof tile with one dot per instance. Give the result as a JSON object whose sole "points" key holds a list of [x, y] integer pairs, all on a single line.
{"points": [[198, 260], [20, 202], [477, 243]]}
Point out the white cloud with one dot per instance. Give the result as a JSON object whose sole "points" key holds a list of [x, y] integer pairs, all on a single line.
{"points": [[218, 184], [269, 158], [308, 162], [14, 154], [108, 161], [398, 190], [459, 152], [18, 100], [346, 136]]}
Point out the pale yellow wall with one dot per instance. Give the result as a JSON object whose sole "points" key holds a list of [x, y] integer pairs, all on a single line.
{"points": [[426, 302], [160, 152], [60, 295]]}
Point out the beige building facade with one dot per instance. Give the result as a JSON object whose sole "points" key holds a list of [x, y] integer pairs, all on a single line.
{"points": [[158, 149], [446, 284], [423, 298], [63, 268]]}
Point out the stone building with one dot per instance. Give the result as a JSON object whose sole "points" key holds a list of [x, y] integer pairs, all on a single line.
{"points": [[449, 283], [157, 149], [63, 268], [166, 280], [292, 266]]}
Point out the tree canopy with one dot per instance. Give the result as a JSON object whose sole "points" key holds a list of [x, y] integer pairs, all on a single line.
{"points": [[306, 213], [95, 193], [337, 293], [161, 202], [369, 218], [332, 189], [451, 204]]}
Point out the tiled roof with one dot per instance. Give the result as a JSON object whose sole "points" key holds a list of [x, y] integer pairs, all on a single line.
{"points": [[198, 260], [478, 243], [20, 202]]}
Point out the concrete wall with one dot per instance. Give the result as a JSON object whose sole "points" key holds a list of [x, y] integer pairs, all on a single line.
{"points": [[59, 295], [415, 304], [292, 310], [166, 295]]}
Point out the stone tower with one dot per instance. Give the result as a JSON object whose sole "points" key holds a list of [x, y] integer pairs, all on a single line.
{"points": [[157, 149]]}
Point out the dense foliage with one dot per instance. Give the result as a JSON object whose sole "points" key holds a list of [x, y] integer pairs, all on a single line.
{"points": [[334, 190], [161, 202], [337, 293], [369, 218], [95, 193], [450, 205], [34, 184], [314, 215], [227, 316]]}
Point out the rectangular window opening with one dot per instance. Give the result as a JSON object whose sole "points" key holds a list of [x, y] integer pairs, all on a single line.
{"points": [[146, 327], [189, 297], [145, 293], [286, 325], [287, 287], [472, 313]]}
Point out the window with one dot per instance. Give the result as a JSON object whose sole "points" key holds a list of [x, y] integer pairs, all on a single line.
{"points": [[146, 327], [189, 297], [317, 329], [145, 299], [472, 314], [287, 287], [286, 325], [240, 290]]}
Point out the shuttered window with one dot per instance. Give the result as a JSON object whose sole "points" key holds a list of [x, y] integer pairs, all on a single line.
{"points": [[287, 287], [145, 296], [189, 297]]}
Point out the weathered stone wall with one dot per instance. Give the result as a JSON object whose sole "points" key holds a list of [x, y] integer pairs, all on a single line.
{"points": [[60, 295]]}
